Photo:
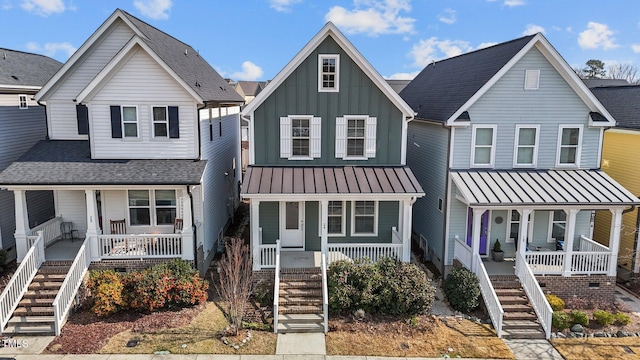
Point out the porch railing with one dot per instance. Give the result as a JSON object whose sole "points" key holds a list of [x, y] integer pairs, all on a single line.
{"points": [[20, 280], [582, 262], [490, 297], [587, 244], [325, 292], [534, 293], [267, 254], [356, 251], [462, 252], [276, 288], [591, 262], [69, 288], [546, 262], [50, 231], [136, 246]]}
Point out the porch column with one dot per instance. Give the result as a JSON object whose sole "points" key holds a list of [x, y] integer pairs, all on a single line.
{"points": [[93, 227], [569, 234], [256, 238], [524, 231], [324, 226], [614, 239], [406, 230], [475, 237], [188, 250], [22, 223]]}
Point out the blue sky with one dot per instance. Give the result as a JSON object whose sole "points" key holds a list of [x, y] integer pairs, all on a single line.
{"points": [[254, 39]]}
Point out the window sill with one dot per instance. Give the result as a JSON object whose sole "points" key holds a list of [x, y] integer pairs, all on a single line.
{"points": [[329, 90], [300, 158], [355, 158], [363, 234]]}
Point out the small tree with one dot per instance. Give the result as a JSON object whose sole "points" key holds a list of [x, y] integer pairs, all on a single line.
{"points": [[235, 282], [594, 69]]}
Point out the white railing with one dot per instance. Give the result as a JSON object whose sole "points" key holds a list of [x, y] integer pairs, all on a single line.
{"points": [[69, 288], [396, 238], [267, 254], [546, 262], [462, 252], [591, 262], [50, 231], [140, 246], [534, 293], [490, 297], [325, 292], [20, 280], [276, 288], [587, 244], [356, 251]]}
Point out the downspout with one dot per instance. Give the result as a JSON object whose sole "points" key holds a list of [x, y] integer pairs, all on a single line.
{"points": [[445, 201], [46, 119], [193, 226]]}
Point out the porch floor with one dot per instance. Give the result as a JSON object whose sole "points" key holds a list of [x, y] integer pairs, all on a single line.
{"points": [[300, 259], [506, 267], [63, 250]]}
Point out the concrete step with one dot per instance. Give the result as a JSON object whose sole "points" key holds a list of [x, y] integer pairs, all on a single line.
{"points": [[33, 310], [33, 320], [520, 324], [301, 292], [300, 300], [38, 302], [40, 294], [300, 309], [300, 328], [517, 307], [29, 329], [520, 316], [512, 300], [300, 318], [523, 334]]}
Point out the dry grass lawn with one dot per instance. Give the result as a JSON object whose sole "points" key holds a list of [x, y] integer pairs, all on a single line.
{"points": [[465, 338], [598, 348], [200, 337]]}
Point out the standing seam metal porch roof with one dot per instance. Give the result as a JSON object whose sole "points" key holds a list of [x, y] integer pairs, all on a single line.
{"points": [[540, 187], [330, 180]]}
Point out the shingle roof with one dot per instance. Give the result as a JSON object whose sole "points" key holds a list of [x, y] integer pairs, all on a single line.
{"points": [[68, 162], [251, 88], [623, 102], [19, 68], [187, 63], [445, 85]]}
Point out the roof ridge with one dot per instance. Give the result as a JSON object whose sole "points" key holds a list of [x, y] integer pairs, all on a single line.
{"points": [[26, 53], [153, 27], [485, 48]]}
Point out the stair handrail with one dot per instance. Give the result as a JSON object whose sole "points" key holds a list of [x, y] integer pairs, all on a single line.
{"points": [[22, 277], [276, 288], [325, 291], [496, 312], [534, 293], [69, 288]]}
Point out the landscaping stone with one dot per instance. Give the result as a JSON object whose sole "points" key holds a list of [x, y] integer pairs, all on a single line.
{"points": [[577, 328], [599, 334]]}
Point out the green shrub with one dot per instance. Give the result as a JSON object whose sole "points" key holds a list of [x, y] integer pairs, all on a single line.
{"points": [[579, 317], [263, 293], [557, 304], [560, 320], [462, 289], [603, 317], [106, 289], [622, 319]]}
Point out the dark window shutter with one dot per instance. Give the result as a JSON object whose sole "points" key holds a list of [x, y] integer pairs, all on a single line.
{"points": [[82, 114], [116, 124], [174, 122]]}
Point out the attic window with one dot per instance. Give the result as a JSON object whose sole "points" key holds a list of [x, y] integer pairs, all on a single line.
{"points": [[328, 73], [22, 102], [532, 79]]}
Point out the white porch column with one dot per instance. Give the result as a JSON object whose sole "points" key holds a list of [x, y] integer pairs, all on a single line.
{"points": [[614, 240], [524, 231], [406, 230], [568, 240], [324, 226], [22, 223], [188, 252], [254, 216], [475, 237], [93, 227]]}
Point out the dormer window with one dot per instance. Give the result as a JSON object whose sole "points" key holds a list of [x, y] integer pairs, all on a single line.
{"points": [[328, 73], [22, 102], [532, 79]]}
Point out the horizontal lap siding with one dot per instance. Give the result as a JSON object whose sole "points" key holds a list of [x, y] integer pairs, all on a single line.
{"points": [[457, 223], [72, 207], [114, 204]]}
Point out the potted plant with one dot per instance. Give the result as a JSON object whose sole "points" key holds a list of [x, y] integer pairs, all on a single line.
{"points": [[497, 254]]}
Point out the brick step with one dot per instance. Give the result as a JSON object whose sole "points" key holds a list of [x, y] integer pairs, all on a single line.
{"points": [[37, 302], [300, 277], [53, 277], [517, 308], [506, 285], [513, 300], [314, 292], [300, 271], [300, 309], [300, 284], [503, 278], [45, 285], [520, 324], [300, 328], [509, 292], [34, 310], [523, 334], [40, 294], [54, 269], [300, 300], [520, 316]]}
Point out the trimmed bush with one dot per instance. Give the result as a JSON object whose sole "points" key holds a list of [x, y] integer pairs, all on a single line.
{"points": [[604, 317], [557, 304], [560, 320], [622, 319], [106, 288], [579, 317], [462, 289]]}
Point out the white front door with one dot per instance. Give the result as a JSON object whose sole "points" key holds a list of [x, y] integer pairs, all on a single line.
{"points": [[291, 224]]}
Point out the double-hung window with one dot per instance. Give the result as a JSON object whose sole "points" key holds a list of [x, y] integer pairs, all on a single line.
{"points": [[157, 207], [328, 73], [557, 225], [483, 147], [335, 218], [569, 145], [160, 121], [22, 102], [364, 218], [166, 207], [130, 121], [356, 137], [526, 147], [139, 207], [300, 137]]}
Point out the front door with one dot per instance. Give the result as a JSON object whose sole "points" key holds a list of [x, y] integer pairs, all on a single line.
{"points": [[484, 230], [291, 224]]}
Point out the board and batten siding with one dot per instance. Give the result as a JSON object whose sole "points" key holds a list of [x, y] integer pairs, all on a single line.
{"points": [[298, 95], [269, 221], [506, 104], [427, 156], [61, 109]]}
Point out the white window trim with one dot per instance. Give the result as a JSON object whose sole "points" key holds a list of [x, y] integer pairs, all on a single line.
{"points": [[343, 216], [517, 146], [561, 127], [529, 226], [336, 88], [353, 220], [493, 146], [153, 122], [122, 122], [370, 137], [26, 101], [153, 219], [315, 137], [550, 238], [529, 73]]}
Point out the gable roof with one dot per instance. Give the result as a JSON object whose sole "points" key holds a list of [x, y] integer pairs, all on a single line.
{"points": [[330, 30], [180, 59], [250, 88], [623, 102], [445, 89], [22, 70]]}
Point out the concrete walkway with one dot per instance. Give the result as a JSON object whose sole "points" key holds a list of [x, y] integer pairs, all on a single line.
{"points": [[301, 344], [527, 349]]}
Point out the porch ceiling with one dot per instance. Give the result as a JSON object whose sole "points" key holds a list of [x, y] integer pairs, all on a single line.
{"points": [[540, 187], [304, 180]]}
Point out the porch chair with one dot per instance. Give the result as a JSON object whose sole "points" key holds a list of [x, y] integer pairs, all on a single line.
{"points": [[118, 227], [67, 232], [177, 225]]}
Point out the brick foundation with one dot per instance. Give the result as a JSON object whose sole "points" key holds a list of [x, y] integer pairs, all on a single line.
{"points": [[128, 265], [594, 287]]}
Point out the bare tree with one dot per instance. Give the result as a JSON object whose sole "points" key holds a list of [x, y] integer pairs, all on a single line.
{"points": [[627, 72], [235, 283]]}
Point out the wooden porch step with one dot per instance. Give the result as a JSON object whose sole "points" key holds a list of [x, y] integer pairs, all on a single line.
{"points": [[517, 307], [39, 294], [37, 302], [313, 292], [512, 300], [300, 309], [33, 310], [520, 316]]}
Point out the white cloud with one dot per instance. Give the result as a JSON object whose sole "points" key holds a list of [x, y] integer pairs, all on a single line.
{"points": [[403, 76], [250, 71], [512, 3], [43, 7], [533, 29], [448, 16], [373, 17], [283, 5], [51, 49], [155, 9], [486, 45], [425, 51], [635, 48], [597, 36]]}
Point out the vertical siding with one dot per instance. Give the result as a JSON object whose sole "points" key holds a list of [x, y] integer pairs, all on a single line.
{"points": [[507, 104], [72, 207], [312, 226], [270, 221], [62, 110], [427, 156], [298, 95]]}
